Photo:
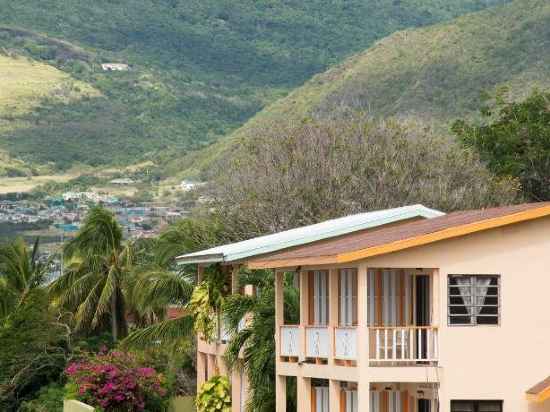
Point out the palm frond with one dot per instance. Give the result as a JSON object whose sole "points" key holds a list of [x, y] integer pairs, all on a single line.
{"points": [[163, 332], [110, 287]]}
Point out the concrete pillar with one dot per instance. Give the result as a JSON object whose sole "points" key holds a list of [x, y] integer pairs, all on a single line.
{"points": [[436, 298], [235, 279], [333, 302], [200, 273], [235, 391], [363, 395], [211, 366], [304, 394], [334, 396], [280, 393], [363, 386], [279, 310], [201, 369]]}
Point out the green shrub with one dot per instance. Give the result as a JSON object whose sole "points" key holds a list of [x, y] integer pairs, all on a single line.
{"points": [[214, 395], [49, 399]]}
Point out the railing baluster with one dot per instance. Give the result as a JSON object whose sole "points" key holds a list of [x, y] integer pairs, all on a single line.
{"points": [[428, 346], [386, 344], [377, 344], [403, 344], [420, 357], [411, 344], [394, 343]]}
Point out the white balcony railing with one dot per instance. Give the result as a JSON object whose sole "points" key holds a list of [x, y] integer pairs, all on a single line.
{"points": [[345, 343], [403, 344], [290, 341], [317, 342]]}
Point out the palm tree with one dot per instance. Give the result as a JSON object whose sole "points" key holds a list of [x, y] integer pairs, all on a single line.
{"points": [[160, 288], [20, 273], [99, 263], [255, 340]]}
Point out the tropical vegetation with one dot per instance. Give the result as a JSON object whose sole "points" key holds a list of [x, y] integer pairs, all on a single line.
{"points": [[197, 69], [433, 75], [214, 395], [116, 381], [514, 140]]}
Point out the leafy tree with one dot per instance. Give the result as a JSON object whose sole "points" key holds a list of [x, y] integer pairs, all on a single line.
{"points": [[288, 176], [99, 263], [34, 350], [255, 340], [515, 141], [20, 273]]}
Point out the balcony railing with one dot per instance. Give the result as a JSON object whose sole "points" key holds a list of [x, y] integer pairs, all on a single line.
{"points": [[290, 341], [317, 342], [403, 344], [345, 343]]}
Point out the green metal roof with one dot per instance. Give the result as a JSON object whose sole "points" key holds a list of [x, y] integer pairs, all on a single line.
{"points": [[307, 234]]}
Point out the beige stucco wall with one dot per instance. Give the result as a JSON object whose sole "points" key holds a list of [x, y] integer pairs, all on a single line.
{"points": [[493, 362], [76, 406]]}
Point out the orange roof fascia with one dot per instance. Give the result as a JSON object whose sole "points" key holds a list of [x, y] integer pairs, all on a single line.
{"points": [[539, 397], [396, 246], [448, 233]]}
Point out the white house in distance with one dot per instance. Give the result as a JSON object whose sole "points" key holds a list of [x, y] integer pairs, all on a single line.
{"points": [[420, 314], [115, 67]]}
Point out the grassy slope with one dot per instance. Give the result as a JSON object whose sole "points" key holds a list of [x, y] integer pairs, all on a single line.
{"points": [[200, 68], [436, 73], [24, 85]]}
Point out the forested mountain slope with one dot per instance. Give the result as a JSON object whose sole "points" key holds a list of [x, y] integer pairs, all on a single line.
{"points": [[198, 69], [436, 73]]}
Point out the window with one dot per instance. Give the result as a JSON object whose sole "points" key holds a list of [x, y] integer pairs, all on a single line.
{"points": [[321, 399], [476, 406], [319, 311], [474, 299], [348, 297], [352, 404]]}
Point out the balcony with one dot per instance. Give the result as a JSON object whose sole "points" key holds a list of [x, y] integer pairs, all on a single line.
{"points": [[290, 341], [345, 343], [402, 346]]}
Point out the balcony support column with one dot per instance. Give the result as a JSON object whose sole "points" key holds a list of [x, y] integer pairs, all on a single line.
{"points": [[334, 394], [304, 312], [279, 311], [363, 386], [333, 301], [280, 393], [304, 394]]}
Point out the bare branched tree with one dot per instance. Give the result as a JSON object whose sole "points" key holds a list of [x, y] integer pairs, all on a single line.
{"points": [[298, 174]]}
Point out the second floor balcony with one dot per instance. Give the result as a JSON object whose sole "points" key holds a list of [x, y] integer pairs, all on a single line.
{"points": [[398, 331]]}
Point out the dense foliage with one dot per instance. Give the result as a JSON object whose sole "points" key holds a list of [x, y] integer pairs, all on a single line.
{"points": [[116, 381], [255, 340], [434, 73], [198, 69], [214, 395], [288, 176], [34, 350], [21, 272], [515, 141]]}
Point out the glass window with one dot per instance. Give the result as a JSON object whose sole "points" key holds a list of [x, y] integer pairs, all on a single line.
{"points": [[476, 406], [474, 299]]}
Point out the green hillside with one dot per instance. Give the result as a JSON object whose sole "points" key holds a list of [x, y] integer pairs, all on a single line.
{"points": [[198, 69], [435, 73]]}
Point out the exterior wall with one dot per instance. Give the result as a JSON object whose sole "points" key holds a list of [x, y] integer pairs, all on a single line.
{"points": [[492, 362], [210, 358], [475, 362]]}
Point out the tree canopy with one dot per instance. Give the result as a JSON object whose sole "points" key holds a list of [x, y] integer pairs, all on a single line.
{"points": [[515, 141], [308, 172]]}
